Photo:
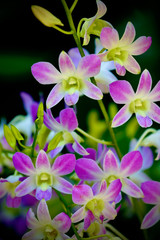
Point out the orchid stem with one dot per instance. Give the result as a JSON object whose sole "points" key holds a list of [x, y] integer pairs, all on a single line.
{"points": [[115, 231], [150, 130], [73, 6]]}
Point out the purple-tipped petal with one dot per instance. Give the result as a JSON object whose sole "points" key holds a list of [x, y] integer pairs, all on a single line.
{"points": [[71, 99], [144, 121], [140, 46], [87, 169], [23, 163], [64, 164], [42, 161], [109, 37], [110, 163], [77, 147], [154, 112], [128, 35], [91, 91], [78, 215], [13, 202], [131, 188], [45, 73], [81, 194], [63, 185], [76, 56], [46, 195], [89, 218], [145, 83], [43, 212], [109, 211], [121, 91], [120, 69], [113, 190], [31, 220], [63, 222], [151, 218], [132, 65], [25, 187], [155, 93], [55, 96], [66, 65], [131, 163], [151, 190], [68, 119], [122, 116]]}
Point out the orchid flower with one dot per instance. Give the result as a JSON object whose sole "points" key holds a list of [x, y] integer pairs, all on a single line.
{"points": [[70, 81], [121, 50], [67, 124], [43, 227], [94, 24], [43, 177], [142, 103], [96, 202], [88, 169], [151, 190], [7, 187]]}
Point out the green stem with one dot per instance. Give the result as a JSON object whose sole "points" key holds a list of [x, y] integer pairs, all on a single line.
{"points": [[34, 142], [79, 26], [115, 231], [95, 237], [93, 138], [73, 6], [63, 31], [150, 130]]}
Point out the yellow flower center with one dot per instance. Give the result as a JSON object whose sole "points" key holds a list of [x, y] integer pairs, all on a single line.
{"points": [[50, 233], [96, 206], [118, 55], [139, 106], [44, 180], [71, 84]]}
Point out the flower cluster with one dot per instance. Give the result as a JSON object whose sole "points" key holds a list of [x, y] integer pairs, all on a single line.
{"points": [[77, 188]]}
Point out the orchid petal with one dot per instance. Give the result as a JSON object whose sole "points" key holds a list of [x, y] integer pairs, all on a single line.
{"points": [[71, 99], [120, 70], [31, 220], [154, 112], [62, 185], [151, 218], [122, 116], [89, 218], [81, 194], [151, 190], [132, 65], [77, 147], [66, 65], [147, 157], [43, 212], [78, 215], [45, 73], [131, 188], [113, 190], [13, 202], [89, 66], [131, 163], [110, 163], [64, 164], [144, 121], [128, 35], [87, 169], [140, 46], [23, 163], [68, 119], [55, 96], [109, 211], [41, 194], [145, 83], [101, 9], [155, 93], [63, 222], [76, 56], [25, 187], [92, 91], [42, 161], [35, 234], [121, 91], [109, 37]]}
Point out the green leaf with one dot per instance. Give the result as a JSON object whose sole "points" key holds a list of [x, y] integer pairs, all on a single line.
{"points": [[55, 141], [11, 140], [40, 114]]}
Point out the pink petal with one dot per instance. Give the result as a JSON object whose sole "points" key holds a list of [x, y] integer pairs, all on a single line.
{"points": [[71, 99], [155, 93], [101, 9], [78, 215], [45, 73], [55, 95], [110, 163], [63, 222], [13, 202], [35, 234], [42, 161], [113, 190], [87, 169], [89, 218], [151, 218], [122, 116], [145, 84], [120, 69], [151, 190], [81, 194], [64, 164], [46, 195], [66, 65], [154, 112], [128, 35], [131, 163], [109, 37], [77, 147], [91, 91], [76, 56], [25, 187], [121, 91], [43, 212], [132, 65], [109, 211], [31, 220], [131, 188], [23, 163], [144, 121], [140, 46], [68, 119], [89, 66], [63, 185]]}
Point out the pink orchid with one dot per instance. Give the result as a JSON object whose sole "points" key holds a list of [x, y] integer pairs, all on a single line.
{"points": [[43, 177], [96, 202], [142, 103], [121, 50], [43, 227], [66, 125], [70, 81], [151, 190], [88, 169], [7, 187]]}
